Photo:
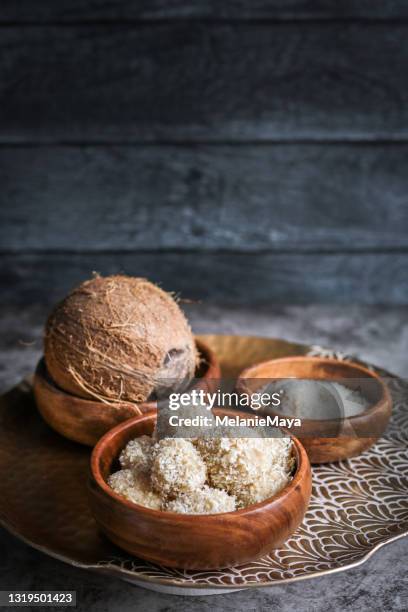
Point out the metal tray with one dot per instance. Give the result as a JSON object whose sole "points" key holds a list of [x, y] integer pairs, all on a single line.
{"points": [[357, 505]]}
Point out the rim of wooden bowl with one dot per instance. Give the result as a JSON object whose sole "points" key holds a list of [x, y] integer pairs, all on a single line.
{"points": [[358, 419]]}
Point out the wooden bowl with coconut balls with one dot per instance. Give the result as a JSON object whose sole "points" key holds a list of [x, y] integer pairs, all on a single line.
{"points": [[192, 504]]}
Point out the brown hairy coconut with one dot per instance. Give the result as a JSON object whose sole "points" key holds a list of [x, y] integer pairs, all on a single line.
{"points": [[119, 338]]}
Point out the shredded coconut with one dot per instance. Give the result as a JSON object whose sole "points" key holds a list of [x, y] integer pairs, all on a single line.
{"points": [[137, 454], [177, 467], [318, 399], [135, 486], [202, 501], [252, 469], [202, 476]]}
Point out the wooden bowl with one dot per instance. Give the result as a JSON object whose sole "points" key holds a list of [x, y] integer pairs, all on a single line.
{"points": [[86, 420], [193, 541], [331, 439]]}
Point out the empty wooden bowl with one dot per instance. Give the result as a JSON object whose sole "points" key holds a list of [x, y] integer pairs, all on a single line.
{"points": [[329, 439], [189, 541], [85, 420]]}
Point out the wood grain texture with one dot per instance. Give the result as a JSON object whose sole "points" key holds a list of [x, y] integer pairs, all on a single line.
{"points": [[84, 10], [193, 541], [87, 420], [292, 197], [333, 439], [75, 418], [231, 278], [200, 81]]}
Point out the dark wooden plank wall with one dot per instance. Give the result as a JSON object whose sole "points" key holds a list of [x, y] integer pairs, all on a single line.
{"points": [[229, 278], [184, 81], [304, 198], [233, 151], [46, 11]]}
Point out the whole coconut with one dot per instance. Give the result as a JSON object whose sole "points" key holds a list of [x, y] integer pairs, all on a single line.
{"points": [[119, 338]]}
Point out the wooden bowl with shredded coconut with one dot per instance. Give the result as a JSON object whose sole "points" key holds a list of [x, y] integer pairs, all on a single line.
{"points": [[187, 521], [355, 429]]}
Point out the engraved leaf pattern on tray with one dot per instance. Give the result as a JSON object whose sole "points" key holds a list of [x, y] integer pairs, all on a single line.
{"points": [[357, 505]]}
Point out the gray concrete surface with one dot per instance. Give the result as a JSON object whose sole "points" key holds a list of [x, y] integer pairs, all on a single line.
{"points": [[378, 334]]}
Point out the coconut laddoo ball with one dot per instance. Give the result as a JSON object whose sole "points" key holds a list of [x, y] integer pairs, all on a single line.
{"points": [[136, 454], [135, 486], [202, 501], [231, 459], [177, 467], [270, 481], [119, 338], [252, 469]]}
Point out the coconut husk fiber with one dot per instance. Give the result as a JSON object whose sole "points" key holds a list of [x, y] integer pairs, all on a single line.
{"points": [[119, 338]]}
